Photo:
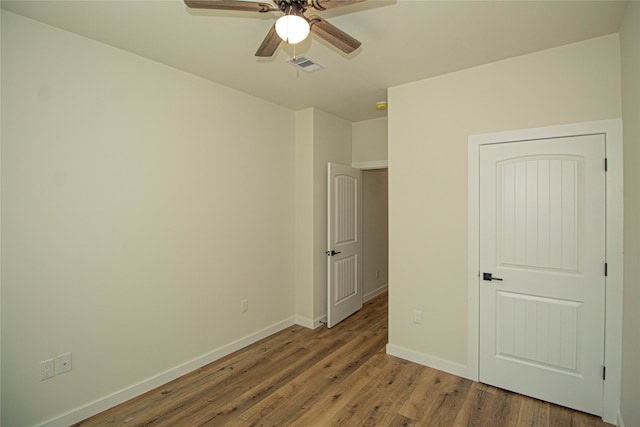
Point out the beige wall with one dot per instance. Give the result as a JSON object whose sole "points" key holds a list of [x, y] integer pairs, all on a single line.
{"points": [[140, 209], [332, 143], [630, 53], [369, 144], [375, 232], [320, 138], [0, 234], [304, 230], [429, 123], [369, 140]]}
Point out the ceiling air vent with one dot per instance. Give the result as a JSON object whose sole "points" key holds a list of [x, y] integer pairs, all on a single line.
{"points": [[305, 64]]}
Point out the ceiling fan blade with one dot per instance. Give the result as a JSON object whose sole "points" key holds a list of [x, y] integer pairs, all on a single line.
{"points": [[330, 4], [247, 6], [269, 44], [333, 35]]}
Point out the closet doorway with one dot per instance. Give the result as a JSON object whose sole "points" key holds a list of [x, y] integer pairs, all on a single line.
{"points": [[375, 232]]}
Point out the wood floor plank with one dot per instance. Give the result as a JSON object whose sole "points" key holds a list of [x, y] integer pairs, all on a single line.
{"points": [[332, 377], [533, 412], [306, 390], [396, 387], [484, 407], [422, 396], [401, 421], [200, 411], [445, 409], [360, 405], [489, 406], [331, 403], [284, 372]]}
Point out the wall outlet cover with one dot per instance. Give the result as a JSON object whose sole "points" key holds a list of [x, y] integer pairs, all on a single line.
{"points": [[63, 363], [46, 370], [417, 317]]}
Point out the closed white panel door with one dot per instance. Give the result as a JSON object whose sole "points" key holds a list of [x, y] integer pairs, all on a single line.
{"points": [[344, 244], [542, 269]]}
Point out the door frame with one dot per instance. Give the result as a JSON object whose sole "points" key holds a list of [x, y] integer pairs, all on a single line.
{"points": [[612, 130]]}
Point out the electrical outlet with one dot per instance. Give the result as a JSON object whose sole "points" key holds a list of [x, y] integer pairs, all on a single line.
{"points": [[63, 363], [417, 317], [47, 369], [244, 306], [377, 274]]}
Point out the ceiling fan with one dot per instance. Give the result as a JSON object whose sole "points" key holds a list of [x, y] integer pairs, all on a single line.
{"points": [[294, 26]]}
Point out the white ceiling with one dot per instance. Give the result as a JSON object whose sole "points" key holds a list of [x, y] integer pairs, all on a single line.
{"points": [[402, 41]]}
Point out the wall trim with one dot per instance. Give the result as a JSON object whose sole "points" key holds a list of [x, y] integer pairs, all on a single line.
{"points": [[429, 361], [305, 322], [612, 129], [620, 421], [149, 384], [371, 295], [375, 164], [310, 323], [321, 321]]}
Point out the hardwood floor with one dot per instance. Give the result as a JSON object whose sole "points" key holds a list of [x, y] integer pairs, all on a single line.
{"points": [[336, 377]]}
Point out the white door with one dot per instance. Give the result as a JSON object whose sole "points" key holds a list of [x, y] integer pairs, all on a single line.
{"points": [[542, 240], [344, 243]]}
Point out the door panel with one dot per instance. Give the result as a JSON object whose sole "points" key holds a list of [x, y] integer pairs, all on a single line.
{"points": [[346, 278], [526, 330], [344, 243], [542, 232], [537, 221]]}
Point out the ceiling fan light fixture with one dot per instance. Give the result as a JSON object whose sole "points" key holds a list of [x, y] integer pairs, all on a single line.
{"points": [[292, 28]]}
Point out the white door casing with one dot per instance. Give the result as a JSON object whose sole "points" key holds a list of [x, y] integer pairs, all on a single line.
{"points": [[542, 237], [612, 131], [344, 242]]}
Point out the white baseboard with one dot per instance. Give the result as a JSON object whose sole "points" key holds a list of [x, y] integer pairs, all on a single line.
{"points": [[163, 378], [430, 361], [309, 323], [320, 321], [371, 295], [620, 422], [304, 321]]}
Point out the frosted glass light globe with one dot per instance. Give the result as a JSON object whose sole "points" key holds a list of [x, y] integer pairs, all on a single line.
{"points": [[292, 28]]}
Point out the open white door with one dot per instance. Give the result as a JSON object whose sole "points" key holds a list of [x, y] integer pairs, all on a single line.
{"points": [[542, 269], [344, 242]]}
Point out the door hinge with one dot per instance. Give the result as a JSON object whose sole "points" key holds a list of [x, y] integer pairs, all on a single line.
{"points": [[604, 373], [606, 164], [606, 269]]}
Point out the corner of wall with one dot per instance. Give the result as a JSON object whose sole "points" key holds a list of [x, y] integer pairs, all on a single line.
{"points": [[370, 140], [303, 255], [1, 12], [331, 143], [630, 76]]}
